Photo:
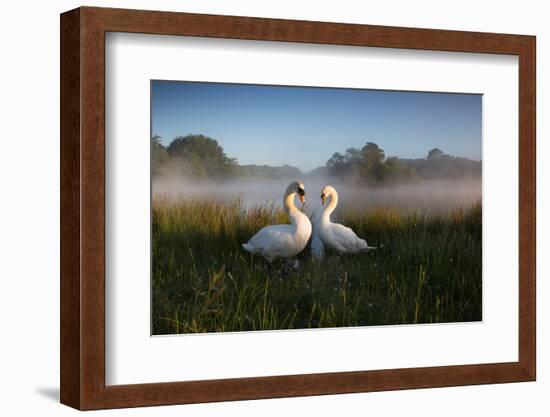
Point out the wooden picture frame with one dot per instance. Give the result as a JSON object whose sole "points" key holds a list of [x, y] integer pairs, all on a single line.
{"points": [[83, 207]]}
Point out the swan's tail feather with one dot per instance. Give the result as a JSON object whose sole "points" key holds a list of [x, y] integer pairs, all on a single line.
{"points": [[248, 247], [369, 248]]}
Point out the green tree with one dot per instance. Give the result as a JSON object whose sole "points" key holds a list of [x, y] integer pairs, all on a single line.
{"points": [[159, 156], [435, 154], [353, 155], [372, 168], [204, 154], [369, 165], [336, 160], [395, 171], [371, 153]]}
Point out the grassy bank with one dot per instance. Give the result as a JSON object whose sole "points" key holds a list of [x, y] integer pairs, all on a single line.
{"points": [[428, 271]]}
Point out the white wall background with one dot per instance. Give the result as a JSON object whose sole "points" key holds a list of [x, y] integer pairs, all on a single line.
{"points": [[29, 213]]}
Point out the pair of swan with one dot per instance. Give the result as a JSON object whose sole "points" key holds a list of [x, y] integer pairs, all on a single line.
{"points": [[286, 241]]}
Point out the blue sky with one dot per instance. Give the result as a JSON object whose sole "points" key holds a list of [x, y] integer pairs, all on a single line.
{"points": [[304, 126]]}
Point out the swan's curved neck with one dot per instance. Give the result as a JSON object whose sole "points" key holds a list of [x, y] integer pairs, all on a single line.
{"points": [[289, 205], [331, 206], [296, 216]]}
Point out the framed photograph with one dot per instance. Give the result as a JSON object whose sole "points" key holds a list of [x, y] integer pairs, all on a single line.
{"points": [[261, 208]]}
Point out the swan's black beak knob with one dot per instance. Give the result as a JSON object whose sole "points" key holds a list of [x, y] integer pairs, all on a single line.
{"points": [[323, 199], [302, 195]]}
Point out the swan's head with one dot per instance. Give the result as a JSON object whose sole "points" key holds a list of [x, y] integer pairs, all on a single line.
{"points": [[326, 193], [298, 188]]}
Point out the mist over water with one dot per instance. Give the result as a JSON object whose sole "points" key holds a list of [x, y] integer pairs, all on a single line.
{"points": [[424, 195]]}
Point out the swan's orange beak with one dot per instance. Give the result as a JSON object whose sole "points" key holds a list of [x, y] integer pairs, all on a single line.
{"points": [[302, 199], [323, 199]]}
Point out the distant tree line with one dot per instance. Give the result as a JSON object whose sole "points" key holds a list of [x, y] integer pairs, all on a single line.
{"points": [[199, 156], [191, 155], [369, 165], [438, 165]]}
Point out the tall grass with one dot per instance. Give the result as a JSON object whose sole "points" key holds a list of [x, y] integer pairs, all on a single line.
{"points": [[428, 271]]}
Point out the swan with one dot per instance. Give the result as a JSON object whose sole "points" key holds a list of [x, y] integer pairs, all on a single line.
{"points": [[334, 236], [283, 240]]}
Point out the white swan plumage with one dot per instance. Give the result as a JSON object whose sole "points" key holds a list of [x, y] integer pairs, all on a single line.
{"points": [[334, 236], [317, 246], [283, 240]]}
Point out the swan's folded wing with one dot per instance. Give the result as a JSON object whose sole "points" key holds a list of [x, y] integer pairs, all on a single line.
{"points": [[346, 239], [272, 241]]}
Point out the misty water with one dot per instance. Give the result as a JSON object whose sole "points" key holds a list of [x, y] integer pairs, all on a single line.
{"points": [[424, 195]]}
